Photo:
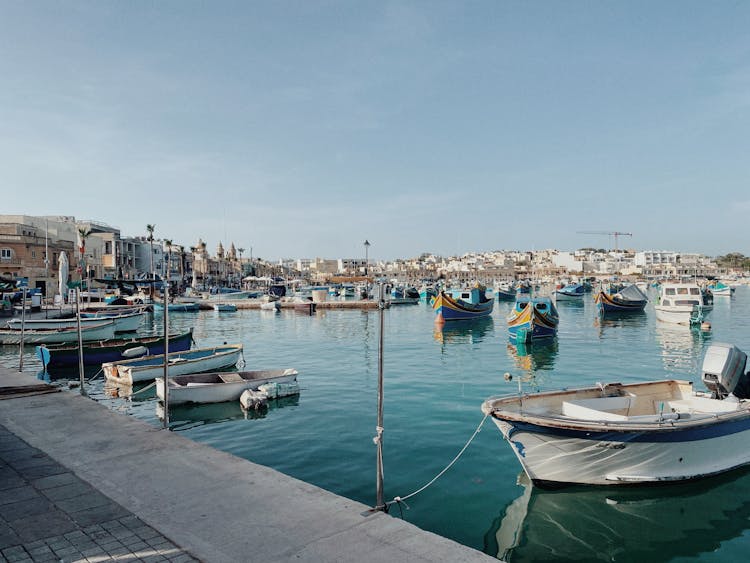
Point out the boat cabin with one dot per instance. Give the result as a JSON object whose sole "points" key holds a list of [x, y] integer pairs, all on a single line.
{"points": [[680, 294]]}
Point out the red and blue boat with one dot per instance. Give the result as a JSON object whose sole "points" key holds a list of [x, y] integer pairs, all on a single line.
{"points": [[462, 305], [630, 299], [533, 318]]}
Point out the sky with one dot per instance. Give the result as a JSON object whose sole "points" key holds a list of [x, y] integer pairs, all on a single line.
{"points": [[302, 129]]}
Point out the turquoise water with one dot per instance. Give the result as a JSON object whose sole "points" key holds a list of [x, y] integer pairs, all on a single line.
{"points": [[435, 382]]}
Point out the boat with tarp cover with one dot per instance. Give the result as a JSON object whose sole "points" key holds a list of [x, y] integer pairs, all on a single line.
{"points": [[633, 433], [627, 300]]}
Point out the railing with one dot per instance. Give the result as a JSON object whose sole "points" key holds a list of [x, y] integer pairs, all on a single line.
{"points": [[11, 261]]}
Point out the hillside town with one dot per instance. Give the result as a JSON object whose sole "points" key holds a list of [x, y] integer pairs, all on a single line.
{"points": [[30, 247]]}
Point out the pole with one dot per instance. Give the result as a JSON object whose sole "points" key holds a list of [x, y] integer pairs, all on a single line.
{"points": [[23, 326], [166, 355], [46, 266], [80, 342], [379, 504]]}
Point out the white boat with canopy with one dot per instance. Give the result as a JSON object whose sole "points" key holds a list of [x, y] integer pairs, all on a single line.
{"points": [[680, 303]]}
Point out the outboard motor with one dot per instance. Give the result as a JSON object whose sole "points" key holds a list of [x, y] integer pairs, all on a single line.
{"points": [[723, 371]]}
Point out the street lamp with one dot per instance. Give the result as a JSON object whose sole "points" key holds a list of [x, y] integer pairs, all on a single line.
{"points": [[367, 257]]}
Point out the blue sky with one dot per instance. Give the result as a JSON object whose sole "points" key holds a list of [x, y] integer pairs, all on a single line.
{"points": [[303, 128]]}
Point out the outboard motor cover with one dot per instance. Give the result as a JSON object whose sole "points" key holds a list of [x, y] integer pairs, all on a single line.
{"points": [[723, 371]]}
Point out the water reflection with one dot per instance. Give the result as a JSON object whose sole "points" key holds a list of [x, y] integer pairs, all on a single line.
{"points": [[184, 417], [637, 320], [623, 524], [464, 332], [681, 346], [534, 357]]}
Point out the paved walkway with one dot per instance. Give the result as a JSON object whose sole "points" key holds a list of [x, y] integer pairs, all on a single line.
{"points": [[49, 514], [83, 483]]}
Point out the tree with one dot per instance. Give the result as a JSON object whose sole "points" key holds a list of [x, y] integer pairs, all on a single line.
{"points": [[150, 239], [83, 234]]}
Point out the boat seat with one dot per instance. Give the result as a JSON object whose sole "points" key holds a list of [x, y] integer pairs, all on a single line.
{"points": [[231, 377], [603, 408]]}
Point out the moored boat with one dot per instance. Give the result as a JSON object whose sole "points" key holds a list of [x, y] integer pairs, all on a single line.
{"points": [[191, 361], [571, 292], [720, 288], [179, 307], [650, 432], [462, 305], [225, 307], [127, 322], [532, 319], [219, 387], [95, 353], [505, 292], [629, 299], [102, 330], [680, 303]]}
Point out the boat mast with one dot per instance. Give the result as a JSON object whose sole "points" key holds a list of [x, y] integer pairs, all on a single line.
{"points": [[166, 354]]}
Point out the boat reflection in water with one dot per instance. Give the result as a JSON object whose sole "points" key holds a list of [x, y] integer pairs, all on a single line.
{"points": [[635, 319], [681, 346], [186, 416], [464, 332], [628, 524]]}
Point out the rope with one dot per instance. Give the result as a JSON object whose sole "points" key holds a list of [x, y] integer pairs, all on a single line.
{"points": [[93, 377], [146, 388], [399, 500]]}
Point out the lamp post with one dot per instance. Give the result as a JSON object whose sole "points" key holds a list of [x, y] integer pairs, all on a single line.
{"points": [[367, 257]]}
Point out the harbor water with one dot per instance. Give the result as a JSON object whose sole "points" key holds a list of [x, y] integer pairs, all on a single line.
{"points": [[435, 382]]}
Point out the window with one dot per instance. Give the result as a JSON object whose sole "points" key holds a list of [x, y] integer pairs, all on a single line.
{"points": [[5, 253], [33, 253], [694, 291], [669, 291]]}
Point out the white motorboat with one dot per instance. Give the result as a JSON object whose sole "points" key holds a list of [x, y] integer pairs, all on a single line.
{"points": [[225, 307], [219, 387], [680, 303], [101, 330], [147, 368], [651, 432]]}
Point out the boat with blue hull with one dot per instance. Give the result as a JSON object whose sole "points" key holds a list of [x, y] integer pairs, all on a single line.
{"points": [[720, 288], [633, 433], [505, 293], [179, 307], [63, 356], [462, 305], [571, 292], [532, 318], [628, 300]]}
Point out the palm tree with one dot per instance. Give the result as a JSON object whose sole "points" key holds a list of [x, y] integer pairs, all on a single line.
{"points": [[168, 244], [150, 239], [241, 250]]}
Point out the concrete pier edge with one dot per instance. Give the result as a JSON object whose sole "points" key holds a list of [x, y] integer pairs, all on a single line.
{"points": [[215, 505]]}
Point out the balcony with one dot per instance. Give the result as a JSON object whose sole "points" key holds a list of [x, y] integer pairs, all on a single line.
{"points": [[10, 261]]}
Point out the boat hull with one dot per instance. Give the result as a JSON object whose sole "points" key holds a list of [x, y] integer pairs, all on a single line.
{"points": [[220, 392], [449, 309], [563, 296], [531, 324], [503, 295], [104, 330], [607, 304], [100, 352], [674, 315], [619, 458], [192, 361]]}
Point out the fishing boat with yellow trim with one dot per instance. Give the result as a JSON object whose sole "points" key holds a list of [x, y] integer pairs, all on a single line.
{"points": [[628, 299], [533, 318], [462, 305]]}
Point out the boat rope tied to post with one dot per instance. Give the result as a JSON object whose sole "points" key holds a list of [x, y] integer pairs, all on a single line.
{"points": [[399, 500], [376, 439], [243, 363]]}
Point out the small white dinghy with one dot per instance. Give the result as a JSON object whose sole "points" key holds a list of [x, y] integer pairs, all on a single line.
{"points": [[252, 399], [651, 432], [220, 386]]}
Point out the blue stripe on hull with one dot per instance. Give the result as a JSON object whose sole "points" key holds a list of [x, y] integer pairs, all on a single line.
{"points": [[661, 434], [450, 314]]}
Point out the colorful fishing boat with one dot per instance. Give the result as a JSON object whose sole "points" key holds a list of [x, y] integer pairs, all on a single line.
{"points": [[462, 305], [618, 434], [505, 292], [627, 300], [532, 319], [95, 353]]}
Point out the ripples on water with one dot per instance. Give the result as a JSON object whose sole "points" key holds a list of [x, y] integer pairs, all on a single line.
{"points": [[435, 382]]}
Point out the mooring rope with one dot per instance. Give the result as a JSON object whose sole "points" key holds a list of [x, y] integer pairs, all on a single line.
{"points": [[146, 388], [93, 377], [399, 500]]}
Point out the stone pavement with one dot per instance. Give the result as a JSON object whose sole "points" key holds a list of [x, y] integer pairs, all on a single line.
{"points": [[49, 514]]}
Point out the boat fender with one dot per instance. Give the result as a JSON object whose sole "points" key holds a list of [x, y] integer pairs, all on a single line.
{"points": [[134, 352]]}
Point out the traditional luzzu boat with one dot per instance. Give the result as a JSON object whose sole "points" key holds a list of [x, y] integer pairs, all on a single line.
{"points": [[651, 432], [94, 353], [627, 300], [532, 319], [571, 292], [197, 360], [462, 305]]}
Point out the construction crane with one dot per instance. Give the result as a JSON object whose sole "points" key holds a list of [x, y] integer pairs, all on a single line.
{"points": [[615, 234]]}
